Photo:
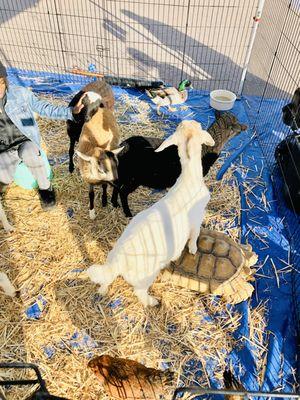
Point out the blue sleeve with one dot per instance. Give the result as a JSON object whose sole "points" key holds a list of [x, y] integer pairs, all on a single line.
{"points": [[48, 110]]}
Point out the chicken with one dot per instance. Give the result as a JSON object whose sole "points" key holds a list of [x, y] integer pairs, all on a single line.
{"points": [[128, 379], [231, 383]]}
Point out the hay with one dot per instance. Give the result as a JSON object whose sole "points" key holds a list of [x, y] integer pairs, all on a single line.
{"points": [[46, 251], [259, 338]]}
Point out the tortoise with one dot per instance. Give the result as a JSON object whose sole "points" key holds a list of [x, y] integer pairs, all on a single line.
{"points": [[220, 266]]}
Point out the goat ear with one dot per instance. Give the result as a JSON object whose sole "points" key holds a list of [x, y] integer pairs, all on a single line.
{"points": [[296, 98], [83, 156], [118, 150], [206, 138], [170, 141]]}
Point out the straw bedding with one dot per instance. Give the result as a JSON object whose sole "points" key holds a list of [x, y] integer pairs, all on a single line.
{"points": [[47, 250]]}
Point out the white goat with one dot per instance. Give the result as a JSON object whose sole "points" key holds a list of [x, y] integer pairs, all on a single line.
{"points": [[156, 236], [3, 219], [6, 285]]}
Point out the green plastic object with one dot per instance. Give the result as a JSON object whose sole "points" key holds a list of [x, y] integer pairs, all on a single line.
{"points": [[24, 178]]}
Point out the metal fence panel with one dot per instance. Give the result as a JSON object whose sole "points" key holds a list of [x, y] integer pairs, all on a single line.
{"points": [[205, 41], [274, 73]]}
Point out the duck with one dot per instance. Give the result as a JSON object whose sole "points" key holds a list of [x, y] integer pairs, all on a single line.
{"points": [[167, 96]]}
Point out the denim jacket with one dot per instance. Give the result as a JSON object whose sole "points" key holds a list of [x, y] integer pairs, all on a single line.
{"points": [[20, 105]]}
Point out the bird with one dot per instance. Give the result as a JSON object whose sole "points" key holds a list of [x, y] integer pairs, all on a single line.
{"points": [[127, 379], [231, 383], [167, 96]]}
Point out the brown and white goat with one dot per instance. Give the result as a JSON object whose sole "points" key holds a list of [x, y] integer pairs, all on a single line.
{"points": [[91, 104], [97, 151]]}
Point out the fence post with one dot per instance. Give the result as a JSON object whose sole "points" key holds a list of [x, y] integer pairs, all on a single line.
{"points": [[185, 33], [256, 19]]}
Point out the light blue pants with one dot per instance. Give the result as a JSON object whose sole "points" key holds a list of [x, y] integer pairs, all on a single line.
{"points": [[30, 154]]}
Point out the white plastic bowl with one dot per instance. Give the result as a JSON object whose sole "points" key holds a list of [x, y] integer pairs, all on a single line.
{"points": [[222, 100]]}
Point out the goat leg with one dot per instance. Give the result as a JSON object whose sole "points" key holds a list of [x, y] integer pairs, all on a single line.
{"points": [[104, 195], [124, 199], [71, 154], [6, 285], [6, 225], [114, 197], [124, 202], [92, 197]]}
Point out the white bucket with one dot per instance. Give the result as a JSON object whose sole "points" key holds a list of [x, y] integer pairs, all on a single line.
{"points": [[222, 100]]}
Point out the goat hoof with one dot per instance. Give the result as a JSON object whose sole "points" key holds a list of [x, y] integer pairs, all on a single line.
{"points": [[71, 169], [9, 228], [152, 301], [104, 203], [116, 205], [102, 290], [128, 215], [92, 214]]}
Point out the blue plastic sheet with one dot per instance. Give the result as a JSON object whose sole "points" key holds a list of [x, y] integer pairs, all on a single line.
{"points": [[261, 226], [36, 309], [79, 342]]}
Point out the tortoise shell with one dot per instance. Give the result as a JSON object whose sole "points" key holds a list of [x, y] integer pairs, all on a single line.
{"points": [[220, 266]]}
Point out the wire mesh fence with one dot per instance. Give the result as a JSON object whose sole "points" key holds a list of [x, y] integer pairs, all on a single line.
{"points": [[276, 60], [205, 41]]}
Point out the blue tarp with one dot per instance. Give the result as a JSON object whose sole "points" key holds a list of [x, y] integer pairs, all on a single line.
{"points": [[261, 226]]}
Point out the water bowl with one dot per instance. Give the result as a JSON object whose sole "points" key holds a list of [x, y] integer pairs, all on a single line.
{"points": [[222, 100]]}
